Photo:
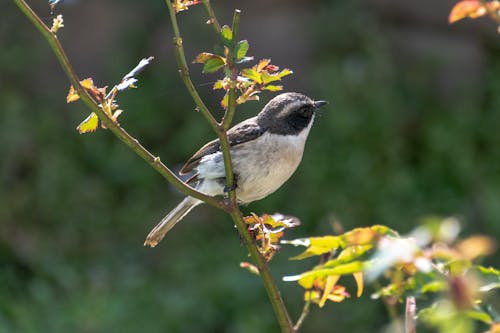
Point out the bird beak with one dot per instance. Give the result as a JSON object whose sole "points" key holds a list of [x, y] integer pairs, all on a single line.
{"points": [[318, 104]]}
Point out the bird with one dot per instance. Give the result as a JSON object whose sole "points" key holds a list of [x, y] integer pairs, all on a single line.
{"points": [[265, 151]]}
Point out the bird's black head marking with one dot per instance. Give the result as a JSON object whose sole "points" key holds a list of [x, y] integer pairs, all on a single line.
{"points": [[288, 113]]}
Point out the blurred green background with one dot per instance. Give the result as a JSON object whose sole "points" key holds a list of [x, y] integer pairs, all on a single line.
{"points": [[411, 130]]}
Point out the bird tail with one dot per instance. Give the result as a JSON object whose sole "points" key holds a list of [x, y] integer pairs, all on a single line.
{"points": [[169, 221]]}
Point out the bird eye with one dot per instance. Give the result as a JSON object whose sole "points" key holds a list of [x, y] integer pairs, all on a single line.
{"points": [[305, 110]]}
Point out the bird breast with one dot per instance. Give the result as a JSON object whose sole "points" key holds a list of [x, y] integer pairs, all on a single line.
{"points": [[261, 166]]}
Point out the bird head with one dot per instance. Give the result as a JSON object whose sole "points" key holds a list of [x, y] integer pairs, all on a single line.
{"points": [[288, 113]]}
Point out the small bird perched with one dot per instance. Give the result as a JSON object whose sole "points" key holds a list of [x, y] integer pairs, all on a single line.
{"points": [[265, 152]]}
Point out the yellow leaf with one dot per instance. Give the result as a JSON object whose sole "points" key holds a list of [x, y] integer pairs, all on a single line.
{"points": [[87, 83], [88, 125], [318, 245], [472, 9], [180, 5], [495, 328], [476, 246], [331, 280], [360, 236], [338, 295], [72, 95], [307, 279], [225, 101], [262, 64], [358, 276]]}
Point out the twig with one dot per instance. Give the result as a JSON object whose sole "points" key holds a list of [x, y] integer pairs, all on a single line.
{"points": [[272, 290], [212, 20], [232, 207], [184, 71], [114, 127], [231, 105], [303, 315], [236, 23], [410, 315]]}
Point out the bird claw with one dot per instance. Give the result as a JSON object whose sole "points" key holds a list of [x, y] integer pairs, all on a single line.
{"points": [[228, 189]]}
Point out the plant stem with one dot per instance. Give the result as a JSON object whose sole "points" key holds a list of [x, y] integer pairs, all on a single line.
{"points": [[410, 315], [184, 70], [211, 14], [220, 129], [303, 315], [231, 105], [113, 126], [236, 23], [272, 290]]}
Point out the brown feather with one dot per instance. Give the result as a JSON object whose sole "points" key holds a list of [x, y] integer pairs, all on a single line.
{"points": [[243, 132]]}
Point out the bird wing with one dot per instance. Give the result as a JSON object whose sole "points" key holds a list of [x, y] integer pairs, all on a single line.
{"points": [[243, 132]]}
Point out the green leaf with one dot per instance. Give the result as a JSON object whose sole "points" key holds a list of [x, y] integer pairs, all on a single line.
{"points": [[272, 88], [489, 276], [213, 65], [244, 60], [355, 251], [307, 279], [317, 246], [434, 287], [89, 124], [241, 49], [268, 78], [217, 84], [285, 72], [227, 35], [219, 49], [489, 271], [479, 315], [252, 74]]}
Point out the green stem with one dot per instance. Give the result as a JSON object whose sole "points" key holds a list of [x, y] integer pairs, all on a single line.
{"points": [[272, 290], [236, 23], [211, 14], [303, 315], [231, 106], [113, 126], [184, 70], [232, 207]]}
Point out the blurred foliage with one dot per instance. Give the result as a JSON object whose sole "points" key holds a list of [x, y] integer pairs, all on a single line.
{"points": [[430, 265], [74, 209]]}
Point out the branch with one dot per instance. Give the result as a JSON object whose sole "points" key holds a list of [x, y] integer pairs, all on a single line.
{"points": [[303, 315], [213, 20], [113, 126], [410, 315], [184, 71], [231, 106], [272, 290], [232, 207]]}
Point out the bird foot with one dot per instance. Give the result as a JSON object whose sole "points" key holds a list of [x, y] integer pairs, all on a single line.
{"points": [[228, 189]]}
